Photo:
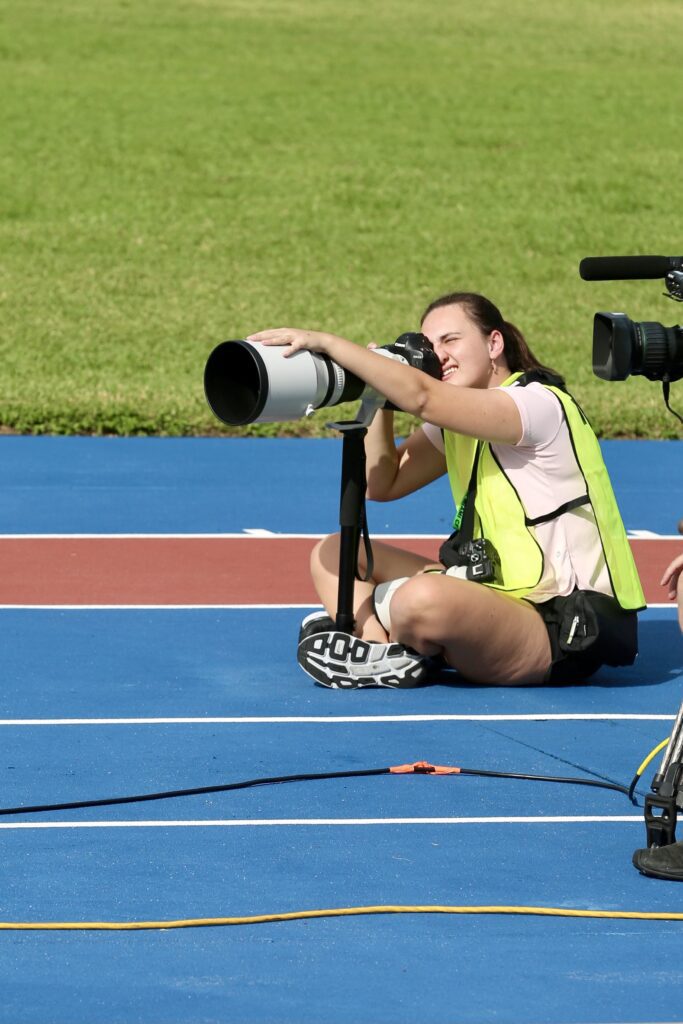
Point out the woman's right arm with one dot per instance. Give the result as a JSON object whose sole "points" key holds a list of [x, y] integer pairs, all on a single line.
{"points": [[394, 471]]}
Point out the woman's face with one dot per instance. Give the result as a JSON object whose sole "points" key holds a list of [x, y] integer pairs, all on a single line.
{"points": [[464, 352]]}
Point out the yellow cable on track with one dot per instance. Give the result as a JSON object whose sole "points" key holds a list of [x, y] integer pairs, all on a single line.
{"points": [[302, 915], [651, 755]]}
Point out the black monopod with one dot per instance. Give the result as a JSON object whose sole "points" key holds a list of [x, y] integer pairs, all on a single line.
{"points": [[352, 516]]}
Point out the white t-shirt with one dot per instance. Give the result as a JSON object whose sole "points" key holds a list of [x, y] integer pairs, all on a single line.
{"points": [[544, 472]]}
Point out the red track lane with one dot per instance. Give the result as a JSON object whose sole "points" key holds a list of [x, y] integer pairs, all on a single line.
{"points": [[202, 570]]}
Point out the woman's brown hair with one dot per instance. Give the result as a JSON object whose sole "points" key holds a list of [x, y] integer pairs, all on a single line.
{"points": [[489, 318]]}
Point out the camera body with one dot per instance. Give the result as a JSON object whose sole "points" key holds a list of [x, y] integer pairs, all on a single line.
{"points": [[475, 560], [415, 350]]}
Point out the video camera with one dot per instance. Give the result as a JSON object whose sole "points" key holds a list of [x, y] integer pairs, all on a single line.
{"points": [[246, 382], [621, 346]]}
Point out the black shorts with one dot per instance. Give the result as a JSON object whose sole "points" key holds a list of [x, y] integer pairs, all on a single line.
{"points": [[587, 630]]}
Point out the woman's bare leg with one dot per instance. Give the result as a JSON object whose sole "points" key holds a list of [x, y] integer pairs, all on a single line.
{"points": [[390, 563], [487, 636]]}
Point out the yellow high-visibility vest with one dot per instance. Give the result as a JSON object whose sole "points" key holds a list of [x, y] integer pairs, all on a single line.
{"points": [[501, 518]]}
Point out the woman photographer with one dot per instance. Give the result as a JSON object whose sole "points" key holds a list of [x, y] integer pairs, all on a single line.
{"points": [[565, 592]]}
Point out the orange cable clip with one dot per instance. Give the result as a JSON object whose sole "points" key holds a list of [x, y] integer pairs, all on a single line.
{"points": [[423, 768]]}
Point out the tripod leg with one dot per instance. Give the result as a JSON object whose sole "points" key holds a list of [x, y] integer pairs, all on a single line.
{"points": [[673, 752]]}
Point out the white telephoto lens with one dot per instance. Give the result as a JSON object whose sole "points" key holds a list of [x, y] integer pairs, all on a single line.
{"points": [[246, 382]]}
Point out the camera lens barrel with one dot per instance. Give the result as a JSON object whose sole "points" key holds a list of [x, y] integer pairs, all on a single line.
{"points": [[654, 347], [622, 347], [246, 382]]}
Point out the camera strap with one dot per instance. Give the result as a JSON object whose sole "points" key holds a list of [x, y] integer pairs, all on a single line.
{"points": [[464, 520], [369, 559]]}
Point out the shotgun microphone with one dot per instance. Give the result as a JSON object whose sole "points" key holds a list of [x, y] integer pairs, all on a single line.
{"points": [[628, 268]]}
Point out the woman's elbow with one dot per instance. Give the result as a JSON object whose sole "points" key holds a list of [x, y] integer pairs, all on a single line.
{"points": [[374, 492], [421, 404]]}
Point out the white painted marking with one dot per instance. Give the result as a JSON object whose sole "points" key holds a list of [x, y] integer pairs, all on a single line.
{"points": [[650, 535], [150, 607], [289, 822], [338, 719], [128, 536], [247, 534], [185, 607], [259, 534]]}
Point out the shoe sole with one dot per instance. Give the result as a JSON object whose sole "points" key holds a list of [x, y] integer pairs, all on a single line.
{"points": [[326, 658]]}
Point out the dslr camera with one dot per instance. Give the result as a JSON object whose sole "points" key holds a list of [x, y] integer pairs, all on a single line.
{"points": [[475, 560]]}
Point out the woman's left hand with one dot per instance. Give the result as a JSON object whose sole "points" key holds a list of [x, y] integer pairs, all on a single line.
{"points": [[295, 339]]}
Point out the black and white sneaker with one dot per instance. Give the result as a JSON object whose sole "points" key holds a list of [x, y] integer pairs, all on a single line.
{"points": [[341, 661]]}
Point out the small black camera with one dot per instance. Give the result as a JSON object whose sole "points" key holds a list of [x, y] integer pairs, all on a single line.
{"points": [[478, 559]]}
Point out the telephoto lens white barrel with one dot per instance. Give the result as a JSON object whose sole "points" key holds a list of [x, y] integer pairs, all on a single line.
{"points": [[246, 382]]}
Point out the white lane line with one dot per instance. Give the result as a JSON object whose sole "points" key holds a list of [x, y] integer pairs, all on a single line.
{"points": [[185, 607], [288, 822], [157, 607], [247, 534], [338, 719], [651, 535], [258, 533]]}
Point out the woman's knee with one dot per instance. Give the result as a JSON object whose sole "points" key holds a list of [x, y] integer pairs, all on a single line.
{"points": [[325, 555], [416, 608]]}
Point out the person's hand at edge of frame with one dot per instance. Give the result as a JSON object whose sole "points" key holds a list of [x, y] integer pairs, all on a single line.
{"points": [[671, 577]]}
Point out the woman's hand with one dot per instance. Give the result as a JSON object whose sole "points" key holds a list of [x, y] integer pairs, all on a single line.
{"points": [[671, 577], [295, 339]]}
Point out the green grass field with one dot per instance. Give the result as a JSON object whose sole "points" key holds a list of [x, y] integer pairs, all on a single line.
{"points": [[180, 172]]}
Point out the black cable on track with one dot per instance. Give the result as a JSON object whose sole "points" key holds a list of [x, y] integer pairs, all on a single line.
{"points": [[419, 768]]}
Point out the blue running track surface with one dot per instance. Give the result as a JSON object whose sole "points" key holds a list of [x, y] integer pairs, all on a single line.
{"points": [[101, 702]]}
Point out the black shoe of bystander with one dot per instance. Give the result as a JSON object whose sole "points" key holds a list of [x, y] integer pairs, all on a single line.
{"points": [[661, 862]]}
